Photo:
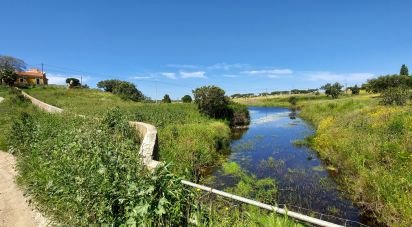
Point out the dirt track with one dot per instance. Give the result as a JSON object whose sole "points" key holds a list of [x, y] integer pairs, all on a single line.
{"points": [[14, 209]]}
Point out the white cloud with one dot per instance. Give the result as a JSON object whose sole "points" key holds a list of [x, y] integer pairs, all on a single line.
{"points": [[226, 67], [169, 75], [230, 76], [196, 74], [182, 66], [60, 79], [338, 77], [142, 77], [268, 71]]}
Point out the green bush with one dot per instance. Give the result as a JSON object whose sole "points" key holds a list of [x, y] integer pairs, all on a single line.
{"points": [[395, 95], [293, 100]]}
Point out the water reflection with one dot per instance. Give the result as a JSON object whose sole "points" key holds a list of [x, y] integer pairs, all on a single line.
{"points": [[267, 149]]}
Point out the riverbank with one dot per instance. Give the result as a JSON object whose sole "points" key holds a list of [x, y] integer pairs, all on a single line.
{"points": [[369, 145]]}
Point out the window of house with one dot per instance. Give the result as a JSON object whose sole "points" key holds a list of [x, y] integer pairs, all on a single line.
{"points": [[21, 80], [37, 81]]}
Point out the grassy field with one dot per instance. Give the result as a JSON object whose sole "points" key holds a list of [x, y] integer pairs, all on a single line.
{"points": [[85, 170], [369, 144]]}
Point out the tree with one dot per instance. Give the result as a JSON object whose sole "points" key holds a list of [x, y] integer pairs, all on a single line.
{"points": [[211, 100], [187, 99], [382, 83], [8, 75], [124, 89], [333, 90], [73, 82], [8, 68], [355, 90], [166, 99], [12, 62], [404, 70]]}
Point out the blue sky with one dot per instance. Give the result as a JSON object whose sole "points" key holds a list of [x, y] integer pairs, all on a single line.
{"points": [[241, 46]]}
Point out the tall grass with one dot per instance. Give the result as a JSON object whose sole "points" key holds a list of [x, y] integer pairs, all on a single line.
{"points": [[371, 147]]}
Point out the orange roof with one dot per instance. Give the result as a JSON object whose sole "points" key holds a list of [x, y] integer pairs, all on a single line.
{"points": [[31, 73]]}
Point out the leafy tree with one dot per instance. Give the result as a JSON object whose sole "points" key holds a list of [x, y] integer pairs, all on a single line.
{"points": [[395, 95], [187, 99], [382, 83], [124, 89], [8, 68], [211, 100], [108, 85], [73, 82], [404, 70], [12, 62], [333, 90], [166, 99], [355, 90], [7, 75]]}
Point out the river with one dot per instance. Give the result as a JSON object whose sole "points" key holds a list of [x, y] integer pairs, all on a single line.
{"points": [[268, 148]]}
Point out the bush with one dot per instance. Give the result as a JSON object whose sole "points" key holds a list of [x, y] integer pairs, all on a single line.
{"points": [[73, 82], [293, 100], [124, 89], [333, 90], [389, 81], [397, 95], [166, 99], [211, 100], [187, 99], [238, 114]]}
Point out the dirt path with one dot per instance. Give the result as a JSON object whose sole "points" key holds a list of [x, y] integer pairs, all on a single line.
{"points": [[14, 210]]}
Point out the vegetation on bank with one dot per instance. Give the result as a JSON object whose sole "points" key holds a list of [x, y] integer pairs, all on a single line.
{"points": [[85, 170], [368, 143]]}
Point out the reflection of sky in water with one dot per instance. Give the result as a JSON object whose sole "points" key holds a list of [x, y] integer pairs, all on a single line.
{"points": [[266, 149]]}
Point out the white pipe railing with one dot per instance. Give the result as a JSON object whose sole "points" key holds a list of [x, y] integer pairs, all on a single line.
{"points": [[278, 210]]}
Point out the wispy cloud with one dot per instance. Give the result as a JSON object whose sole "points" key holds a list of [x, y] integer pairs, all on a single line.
{"points": [[169, 75], [338, 77], [182, 66], [268, 72], [230, 76], [196, 74], [226, 67], [142, 77]]}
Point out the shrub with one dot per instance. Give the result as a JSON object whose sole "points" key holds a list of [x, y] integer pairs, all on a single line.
{"points": [[333, 90], [124, 89], [395, 95], [166, 99], [211, 100], [187, 99], [293, 100], [389, 81], [238, 114]]}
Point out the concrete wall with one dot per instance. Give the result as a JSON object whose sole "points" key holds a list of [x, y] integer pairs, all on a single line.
{"points": [[147, 132], [42, 105], [148, 147]]}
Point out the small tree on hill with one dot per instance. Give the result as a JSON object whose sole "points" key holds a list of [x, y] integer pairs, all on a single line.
{"points": [[404, 70], [211, 100], [333, 90], [166, 99], [187, 99], [7, 75], [355, 90], [73, 82], [124, 89]]}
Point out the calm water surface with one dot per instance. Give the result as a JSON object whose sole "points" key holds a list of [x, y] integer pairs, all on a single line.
{"points": [[267, 149]]}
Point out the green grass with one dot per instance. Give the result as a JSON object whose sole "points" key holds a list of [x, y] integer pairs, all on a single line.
{"points": [[9, 109], [370, 147], [84, 170]]}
